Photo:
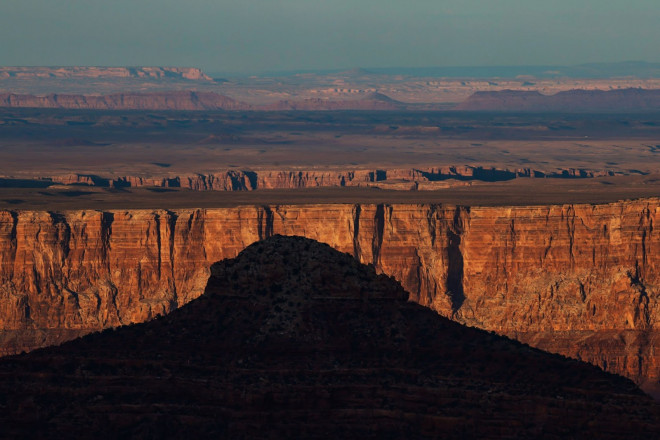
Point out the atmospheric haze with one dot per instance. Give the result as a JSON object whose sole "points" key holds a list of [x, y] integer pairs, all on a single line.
{"points": [[254, 36]]}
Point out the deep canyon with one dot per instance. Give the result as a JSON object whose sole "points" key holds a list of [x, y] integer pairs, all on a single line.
{"points": [[579, 280]]}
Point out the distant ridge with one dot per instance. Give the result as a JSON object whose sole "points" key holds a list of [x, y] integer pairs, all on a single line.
{"points": [[127, 101], [80, 72], [628, 100], [188, 100]]}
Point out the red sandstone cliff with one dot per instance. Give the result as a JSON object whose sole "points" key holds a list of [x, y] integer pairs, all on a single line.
{"points": [[580, 280], [293, 339], [243, 180]]}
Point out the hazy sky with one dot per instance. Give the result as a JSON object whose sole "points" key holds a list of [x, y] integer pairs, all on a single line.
{"points": [[267, 35]]}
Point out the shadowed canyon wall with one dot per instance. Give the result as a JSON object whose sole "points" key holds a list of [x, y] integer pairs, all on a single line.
{"points": [[581, 280]]}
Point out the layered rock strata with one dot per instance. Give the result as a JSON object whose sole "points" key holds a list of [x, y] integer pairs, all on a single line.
{"points": [[292, 339], [243, 180], [581, 280]]}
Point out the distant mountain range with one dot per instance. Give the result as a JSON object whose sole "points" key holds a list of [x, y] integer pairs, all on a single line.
{"points": [[632, 69]]}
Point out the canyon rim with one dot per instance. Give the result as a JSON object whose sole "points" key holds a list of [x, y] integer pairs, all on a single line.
{"points": [[579, 280]]}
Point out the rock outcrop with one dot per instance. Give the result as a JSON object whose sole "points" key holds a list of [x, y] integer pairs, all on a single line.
{"points": [[293, 339], [581, 280], [248, 180], [624, 100]]}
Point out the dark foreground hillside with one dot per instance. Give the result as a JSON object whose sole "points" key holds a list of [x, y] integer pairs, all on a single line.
{"points": [[293, 339]]}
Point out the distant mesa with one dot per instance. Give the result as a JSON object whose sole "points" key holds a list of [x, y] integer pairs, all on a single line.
{"points": [[249, 180], [83, 72], [175, 100], [628, 100], [293, 339], [188, 100], [622, 100]]}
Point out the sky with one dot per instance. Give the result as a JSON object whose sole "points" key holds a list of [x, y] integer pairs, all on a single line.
{"points": [[252, 36]]}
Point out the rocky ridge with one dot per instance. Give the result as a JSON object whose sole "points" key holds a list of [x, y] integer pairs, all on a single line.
{"points": [[569, 101], [580, 280], [82, 72], [188, 100], [294, 339], [247, 180]]}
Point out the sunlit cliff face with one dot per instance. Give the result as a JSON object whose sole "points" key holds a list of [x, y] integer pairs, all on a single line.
{"points": [[574, 279]]}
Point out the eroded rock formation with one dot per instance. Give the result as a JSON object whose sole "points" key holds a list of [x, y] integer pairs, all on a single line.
{"points": [[580, 280], [246, 180], [292, 339]]}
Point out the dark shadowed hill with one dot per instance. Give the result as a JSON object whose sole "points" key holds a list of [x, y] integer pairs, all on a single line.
{"points": [[624, 100], [293, 339]]}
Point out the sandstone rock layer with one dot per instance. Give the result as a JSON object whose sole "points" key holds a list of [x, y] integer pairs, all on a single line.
{"points": [[292, 339], [401, 178], [581, 280]]}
